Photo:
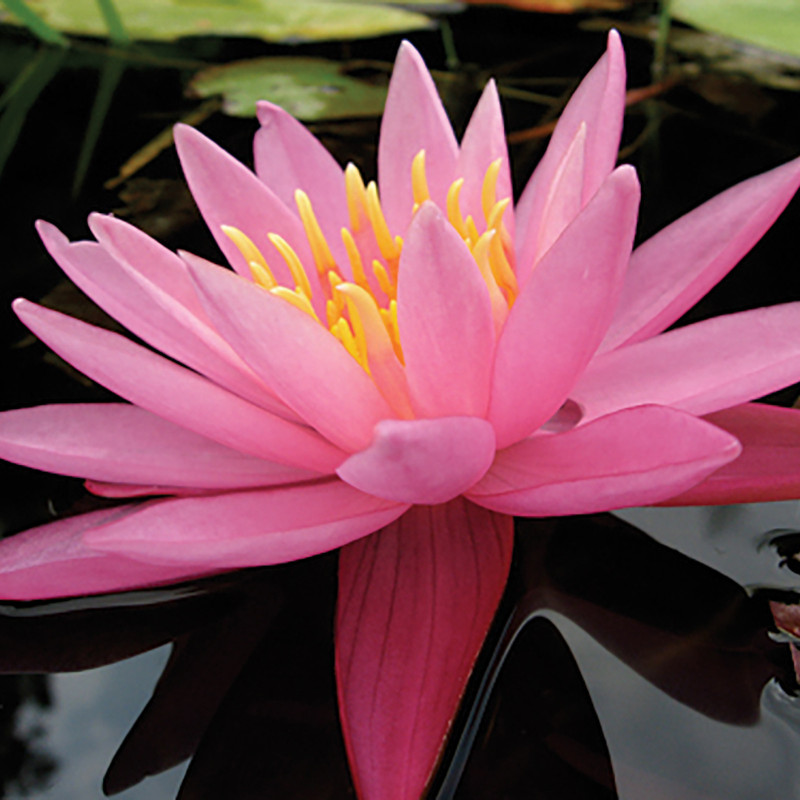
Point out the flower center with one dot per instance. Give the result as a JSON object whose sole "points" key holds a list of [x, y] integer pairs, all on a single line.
{"points": [[362, 311]]}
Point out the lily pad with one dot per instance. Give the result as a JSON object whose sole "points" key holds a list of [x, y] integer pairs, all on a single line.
{"points": [[773, 24], [308, 88], [557, 6], [272, 20]]}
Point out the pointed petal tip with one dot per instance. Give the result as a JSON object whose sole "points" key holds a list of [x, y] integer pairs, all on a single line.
{"points": [[266, 112], [98, 222], [188, 138], [626, 173], [624, 183], [50, 235], [614, 41], [616, 55], [428, 214], [22, 306], [105, 227], [408, 55], [491, 88], [407, 49], [181, 129]]}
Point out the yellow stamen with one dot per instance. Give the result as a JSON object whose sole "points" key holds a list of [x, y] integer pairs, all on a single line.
{"points": [[293, 262], [454, 214], [481, 254], [383, 279], [331, 313], [501, 269], [472, 231], [489, 188], [323, 258], [483, 257], [367, 326], [365, 314], [383, 237], [394, 263], [341, 330], [245, 244], [419, 180], [389, 317], [356, 264], [356, 196], [262, 275], [357, 325], [334, 279], [495, 218], [297, 299]]}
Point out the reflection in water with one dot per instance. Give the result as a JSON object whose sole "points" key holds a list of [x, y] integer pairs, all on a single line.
{"points": [[734, 540], [675, 663], [27, 765], [93, 710], [624, 669], [662, 749]]}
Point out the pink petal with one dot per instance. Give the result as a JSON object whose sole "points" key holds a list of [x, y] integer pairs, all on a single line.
{"points": [[485, 141], [565, 196], [414, 119], [415, 603], [177, 394], [125, 444], [677, 266], [386, 371], [144, 255], [767, 469], [445, 320], [306, 366], [246, 528], [563, 311], [288, 157], [128, 490], [227, 193], [156, 312], [422, 461], [701, 368], [637, 456], [599, 102], [52, 561]]}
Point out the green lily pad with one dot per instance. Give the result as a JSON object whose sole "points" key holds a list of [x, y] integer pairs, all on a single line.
{"points": [[308, 88], [773, 24], [272, 20]]}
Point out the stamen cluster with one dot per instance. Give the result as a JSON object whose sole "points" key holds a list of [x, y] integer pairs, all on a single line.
{"points": [[361, 312]]}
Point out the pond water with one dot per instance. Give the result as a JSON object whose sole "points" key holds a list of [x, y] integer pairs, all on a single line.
{"points": [[634, 656]]}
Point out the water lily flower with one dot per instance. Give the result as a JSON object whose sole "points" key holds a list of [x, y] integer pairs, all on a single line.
{"points": [[417, 357]]}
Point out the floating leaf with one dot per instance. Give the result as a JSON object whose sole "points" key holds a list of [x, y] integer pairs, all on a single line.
{"points": [[308, 88], [774, 24], [273, 20], [557, 6], [33, 22], [116, 30]]}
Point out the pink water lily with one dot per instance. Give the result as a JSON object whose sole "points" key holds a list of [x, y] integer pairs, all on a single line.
{"points": [[418, 362]]}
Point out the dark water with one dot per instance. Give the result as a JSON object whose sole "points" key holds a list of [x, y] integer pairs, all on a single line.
{"points": [[631, 659]]}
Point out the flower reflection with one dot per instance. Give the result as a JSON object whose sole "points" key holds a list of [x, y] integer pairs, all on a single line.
{"points": [[423, 362], [642, 658]]}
